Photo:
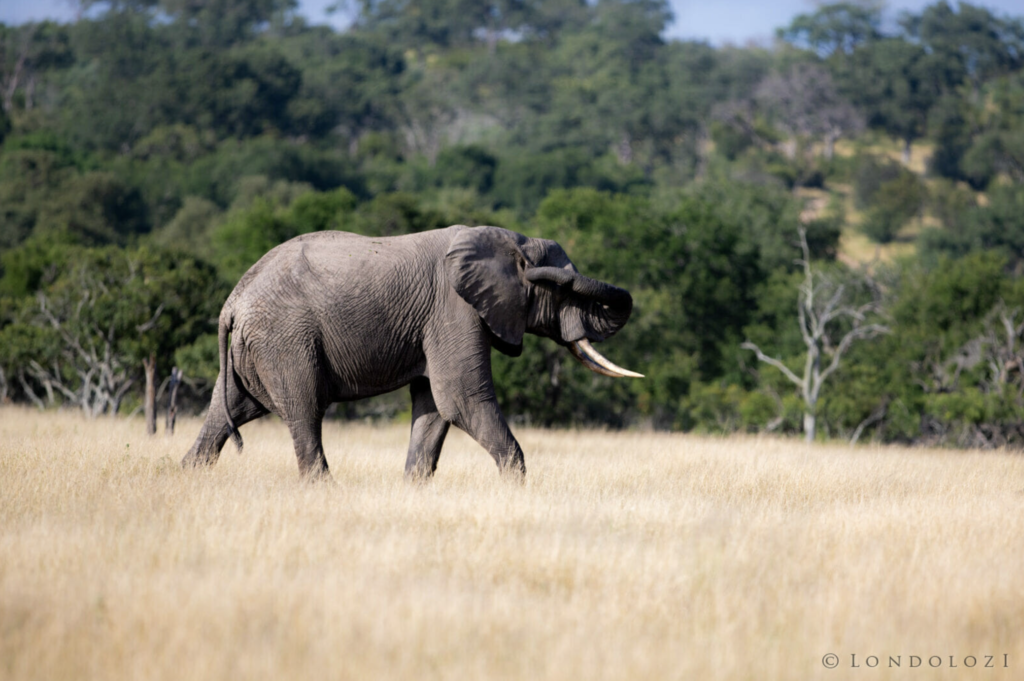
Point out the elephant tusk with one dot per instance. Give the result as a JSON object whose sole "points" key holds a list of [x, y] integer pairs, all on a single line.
{"points": [[593, 360]]}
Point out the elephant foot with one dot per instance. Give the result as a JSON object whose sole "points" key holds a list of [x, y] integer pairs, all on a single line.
{"points": [[198, 459], [418, 476], [317, 476], [513, 472]]}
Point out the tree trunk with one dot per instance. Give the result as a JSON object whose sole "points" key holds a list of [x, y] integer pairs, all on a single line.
{"points": [[906, 152], [150, 404], [830, 146], [172, 403], [789, 148], [30, 89], [810, 426], [624, 150]]}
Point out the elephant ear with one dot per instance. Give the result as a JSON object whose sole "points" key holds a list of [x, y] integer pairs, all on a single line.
{"points": [[484, 265]]}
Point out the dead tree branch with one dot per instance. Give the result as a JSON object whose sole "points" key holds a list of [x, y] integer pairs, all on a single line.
{"points": [[816, 324]]}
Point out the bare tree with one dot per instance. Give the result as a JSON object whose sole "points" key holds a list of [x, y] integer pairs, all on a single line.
{"points": [[172, 400], [1002, 335], [821, 305], [997, 347], [994, 361], [875, 416], [90, 351], [105, 322], [14, 62], [428, 114], [804, 101], [90, 366], [149, 401], [740, 115], [25, 52]]}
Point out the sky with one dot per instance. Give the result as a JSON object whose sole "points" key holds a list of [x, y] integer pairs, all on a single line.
{"points": [[723, 21]]}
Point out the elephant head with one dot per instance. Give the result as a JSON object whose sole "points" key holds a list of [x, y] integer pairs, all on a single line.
{"points": [[519, 284]]}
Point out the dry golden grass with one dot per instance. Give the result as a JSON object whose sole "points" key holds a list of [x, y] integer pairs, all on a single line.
{"points": [[625, 556], [921, 151]]}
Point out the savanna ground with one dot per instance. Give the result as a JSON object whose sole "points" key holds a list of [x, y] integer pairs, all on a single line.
{"points": [[626, 555]]}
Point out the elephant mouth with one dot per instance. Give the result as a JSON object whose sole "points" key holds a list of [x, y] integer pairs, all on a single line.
{"points": [[583, 351]]}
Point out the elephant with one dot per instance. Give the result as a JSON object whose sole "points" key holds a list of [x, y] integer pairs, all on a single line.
{"points": [[330, 316]]}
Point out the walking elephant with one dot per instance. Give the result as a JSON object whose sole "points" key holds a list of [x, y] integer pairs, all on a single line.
{"points": [[329, 317]]}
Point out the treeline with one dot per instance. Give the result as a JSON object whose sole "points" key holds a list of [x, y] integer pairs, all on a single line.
{"points": [[154, 149]]}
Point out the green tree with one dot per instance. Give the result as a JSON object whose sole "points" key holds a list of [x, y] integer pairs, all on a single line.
{"points": [[969, 227], [224, 23], [104, 316], [93, 209], [895, 83], [892, 205], [970, 45], [26, 53], [835, 28]]}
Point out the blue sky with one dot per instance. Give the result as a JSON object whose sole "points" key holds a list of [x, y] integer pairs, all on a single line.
{"points": [[724, 21]]}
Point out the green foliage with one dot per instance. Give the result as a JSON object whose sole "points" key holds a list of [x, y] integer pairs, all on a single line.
{"points": [[523, 180], [391, 215], [240, 92], [730, 140], [152, 151], [97, 313], [835, 29], [471, 167], [894, 82], [93, 209], [950, 298], [969, 45], [199, 360], [889, 194], [190, 227], [895, 202], [717, 408], [948, 123], [692, 267], [970, 227], [249, 231], [32, 266], [28, 178], [215, 176]]}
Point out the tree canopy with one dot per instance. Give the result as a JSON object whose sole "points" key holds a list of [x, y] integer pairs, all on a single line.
{"points": [[152, 150]]}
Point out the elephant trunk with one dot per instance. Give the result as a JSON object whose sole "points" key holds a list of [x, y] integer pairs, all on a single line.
{"points": [[600, 310], [598, 290], [581, 284]]}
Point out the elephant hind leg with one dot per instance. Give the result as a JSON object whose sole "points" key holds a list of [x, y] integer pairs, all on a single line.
{"points": [[296, 388], [428, 432], [309, 448], [216, 428]]}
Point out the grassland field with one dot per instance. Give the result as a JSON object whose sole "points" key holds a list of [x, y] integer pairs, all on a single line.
{"points": [[626, 555]]}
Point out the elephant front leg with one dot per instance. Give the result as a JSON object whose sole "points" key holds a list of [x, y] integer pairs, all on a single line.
{"points": [[485, 423], [428, 432], [463, 390]]}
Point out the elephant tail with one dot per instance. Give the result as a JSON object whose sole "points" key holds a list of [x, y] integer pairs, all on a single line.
{"points": [[223, 329]]}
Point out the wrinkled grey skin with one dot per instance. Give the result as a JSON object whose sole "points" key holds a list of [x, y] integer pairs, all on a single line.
{"points": [[331, 316]]}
